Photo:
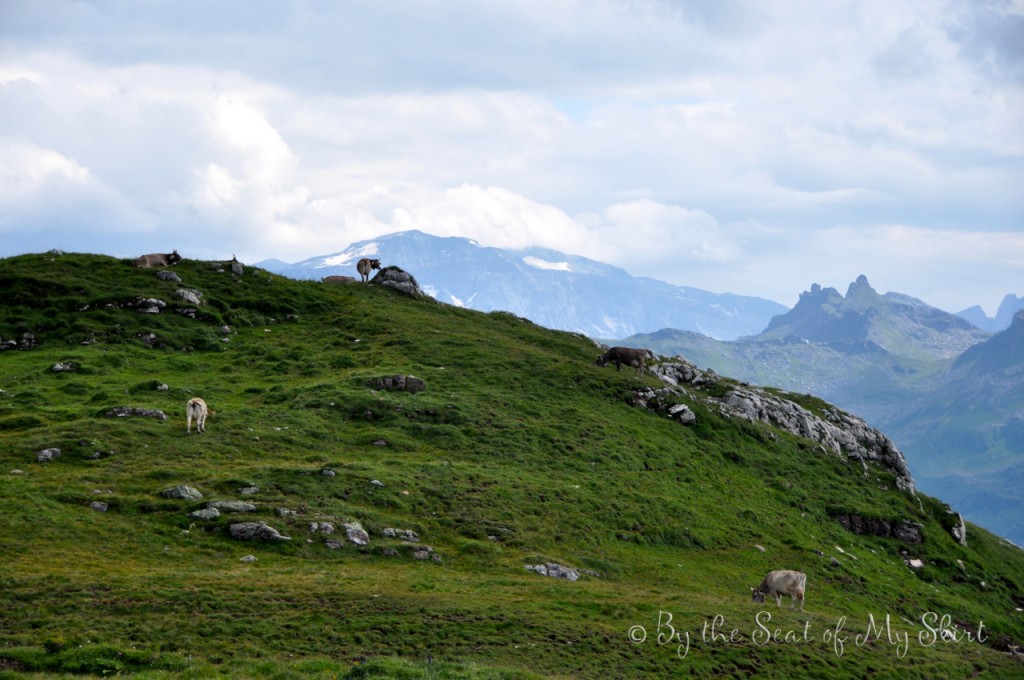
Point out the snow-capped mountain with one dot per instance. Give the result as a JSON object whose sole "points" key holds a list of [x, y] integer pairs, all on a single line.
{"points": [[560, 291]]}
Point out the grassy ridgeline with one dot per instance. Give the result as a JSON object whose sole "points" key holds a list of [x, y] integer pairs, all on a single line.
{"points": [[519, 451]]}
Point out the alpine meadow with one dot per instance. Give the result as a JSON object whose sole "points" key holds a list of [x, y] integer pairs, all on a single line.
{"points": [[389, 486]]}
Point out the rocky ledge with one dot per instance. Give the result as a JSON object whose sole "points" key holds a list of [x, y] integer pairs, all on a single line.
{"points": [[836, 431]]}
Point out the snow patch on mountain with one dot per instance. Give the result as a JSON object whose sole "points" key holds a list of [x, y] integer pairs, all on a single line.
{"points": [[538, 263]]}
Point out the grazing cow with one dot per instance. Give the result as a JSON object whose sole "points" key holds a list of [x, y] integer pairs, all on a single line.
{"points": [[338, 279], [196, 408], [624, 355], [779, 583], [364, 266], [158, 260]]}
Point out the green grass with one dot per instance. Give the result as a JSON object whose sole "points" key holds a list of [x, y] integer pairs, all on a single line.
{"points": [[519, 451]]}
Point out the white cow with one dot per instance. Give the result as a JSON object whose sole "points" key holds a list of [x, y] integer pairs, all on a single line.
{"points": [[782, 582], [196, 408]]}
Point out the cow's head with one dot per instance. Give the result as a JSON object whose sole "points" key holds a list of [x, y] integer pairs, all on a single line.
{"points": [[756, 595], [174, 258], [375, 264], [601, 360]]}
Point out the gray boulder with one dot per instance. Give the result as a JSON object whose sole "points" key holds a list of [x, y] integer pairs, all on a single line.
{"points": [[205, 514], [182, 492], [393, 277], [46, 455], [256, 531], [166, 275], [189, 295], [355, 533]]}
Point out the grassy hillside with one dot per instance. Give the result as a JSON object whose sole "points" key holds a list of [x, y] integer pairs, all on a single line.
{"points": [[519, 451]]}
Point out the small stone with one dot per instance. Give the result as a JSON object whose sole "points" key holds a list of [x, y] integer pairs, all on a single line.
{"points": [[16, 471], [328, 472], [249, 491], [256, 531], [182, 492], [205, 515], [46, 455], [356, 533], [232, 506], [98, 506], [248, 559], [378, 483], [334, 545]]}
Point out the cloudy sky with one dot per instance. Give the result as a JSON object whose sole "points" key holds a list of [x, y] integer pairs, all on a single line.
{"points": [[753, 147]]}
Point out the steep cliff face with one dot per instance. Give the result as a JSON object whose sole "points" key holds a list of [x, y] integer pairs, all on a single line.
{"points": [[836, 431]]}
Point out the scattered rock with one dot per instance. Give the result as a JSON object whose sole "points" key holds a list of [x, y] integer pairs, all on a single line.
{"points": [[190, 295], [165, 275], [334, 545], [232, 506], [399, 383], [133, 412], [248, 559], [381, 442], [46, 455], [321, 528], [403, 534], [249, 490], [256, 531], [148, 305], [683, 414], [98, 506], [355, 532], [914, 563], [16, 471], [205, 514], [236, 268], [61, 367], [759, 547], [182, 492], [285, 512], [162, 387], [377, 483], [328, 472], [557, 571]]}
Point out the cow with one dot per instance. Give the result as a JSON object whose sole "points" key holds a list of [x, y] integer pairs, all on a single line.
{"points": [[624, 355], [157, 260], [338, 279], [782, 582], [364, 266], [196, 408]]}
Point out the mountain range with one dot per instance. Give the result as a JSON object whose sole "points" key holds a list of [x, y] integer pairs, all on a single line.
{"points": [[1010, 305], [949, 394], [553, 289]]}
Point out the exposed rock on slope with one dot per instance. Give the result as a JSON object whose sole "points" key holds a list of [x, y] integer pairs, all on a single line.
{"points": [[837, 432]]}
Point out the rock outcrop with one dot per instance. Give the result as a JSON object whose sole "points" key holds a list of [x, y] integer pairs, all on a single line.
{"points": [[402, 281], [836, 431]]}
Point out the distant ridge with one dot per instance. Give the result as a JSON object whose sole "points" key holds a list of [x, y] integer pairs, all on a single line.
{"points": [[553, 289]]}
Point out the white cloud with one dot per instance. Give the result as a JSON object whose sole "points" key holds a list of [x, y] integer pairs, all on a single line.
{"points": [[709, 144]]}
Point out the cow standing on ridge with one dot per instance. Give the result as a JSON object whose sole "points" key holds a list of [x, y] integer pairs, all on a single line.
{"points": [[624, 355], [365, 266]]}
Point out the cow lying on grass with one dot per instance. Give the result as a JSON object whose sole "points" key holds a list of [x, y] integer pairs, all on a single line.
{"points": [[157, 260], [779, 583]]}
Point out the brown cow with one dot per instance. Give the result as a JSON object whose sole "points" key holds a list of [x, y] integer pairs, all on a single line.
{"points": [[624, 355], [364, 266], [779, 583], [338, 279], [158, 260]]}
